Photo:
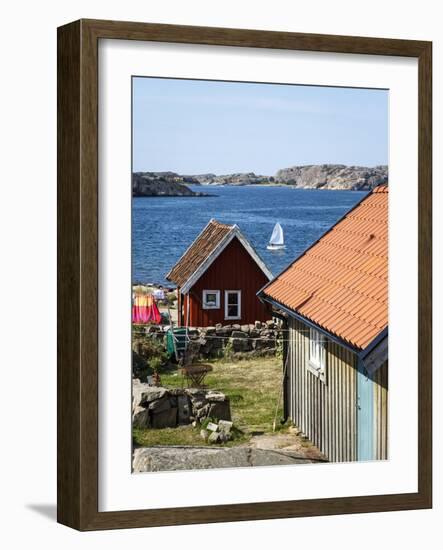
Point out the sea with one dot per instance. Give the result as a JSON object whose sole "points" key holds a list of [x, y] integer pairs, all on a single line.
{"points": [[164, 227]]}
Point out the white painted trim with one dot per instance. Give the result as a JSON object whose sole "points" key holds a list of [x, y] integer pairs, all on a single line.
{"points": [[237, 317], [217, 300], [235, 232]]}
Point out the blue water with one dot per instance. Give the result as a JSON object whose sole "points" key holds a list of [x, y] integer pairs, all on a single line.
{"points": [[163, 227]]}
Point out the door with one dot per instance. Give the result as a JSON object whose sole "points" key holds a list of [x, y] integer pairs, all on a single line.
{"points": [[365, 411]]}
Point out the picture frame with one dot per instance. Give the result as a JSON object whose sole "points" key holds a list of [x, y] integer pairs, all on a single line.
{"points": [[78, 245]]}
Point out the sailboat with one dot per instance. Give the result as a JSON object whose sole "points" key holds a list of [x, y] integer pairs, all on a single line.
{"points": [[277, 241]]}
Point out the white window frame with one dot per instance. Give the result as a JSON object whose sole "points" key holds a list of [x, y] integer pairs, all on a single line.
{"points": [[217, 299], [236, 317], [317, 354]]}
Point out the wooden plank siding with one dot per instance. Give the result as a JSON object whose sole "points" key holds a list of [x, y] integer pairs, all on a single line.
{"points": [[234, 269], [326, 412], [381, 412]]}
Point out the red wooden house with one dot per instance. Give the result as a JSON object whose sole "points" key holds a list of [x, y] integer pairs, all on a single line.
{"points": [[218, 278]]}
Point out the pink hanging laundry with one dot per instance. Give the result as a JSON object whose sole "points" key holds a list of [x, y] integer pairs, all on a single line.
{"points": [[145, 310]]}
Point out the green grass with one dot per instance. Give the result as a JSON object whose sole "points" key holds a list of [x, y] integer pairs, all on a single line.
{"points": [[253, 386]]}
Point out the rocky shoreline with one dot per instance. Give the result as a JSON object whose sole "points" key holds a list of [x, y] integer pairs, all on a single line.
{"points": [[151, 184], [315, 176]]}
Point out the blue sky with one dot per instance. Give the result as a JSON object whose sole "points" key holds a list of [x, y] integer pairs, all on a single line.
{"points": [[194, 126]]}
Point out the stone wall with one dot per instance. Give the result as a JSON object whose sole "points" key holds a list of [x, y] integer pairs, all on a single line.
{"points": [[253, 340], [156, 407]]}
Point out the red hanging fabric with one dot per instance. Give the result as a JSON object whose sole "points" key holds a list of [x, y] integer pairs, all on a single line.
{"points": [[145, 310]]}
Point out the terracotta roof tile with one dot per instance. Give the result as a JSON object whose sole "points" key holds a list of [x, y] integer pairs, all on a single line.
{"points": [[200, 249], [341, 282]]}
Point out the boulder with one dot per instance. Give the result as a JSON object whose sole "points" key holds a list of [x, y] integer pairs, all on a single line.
{"points": [[212, 427], [140, 418], [160, 405], [245, 329], [225, 426], [214, 437], [240, 341], [156, 459], [184, 409], [215, 396], [164, 419], [142, 394], [219, 411]]}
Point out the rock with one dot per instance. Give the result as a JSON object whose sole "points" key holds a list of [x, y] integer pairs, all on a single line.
{"points": [[258, 325], [214, 437], [238, 334], [270, 324], [160, 405], [202, 413], [204, 434], [224, 426], [245, 329], [154, 184], [156, 459], [219, 411], [213, 396], [164, 419], [140, 418], [210, 330], [212, 427], [240, 341], [333, 176], [236, 327], [184, 409], [143, 394]]}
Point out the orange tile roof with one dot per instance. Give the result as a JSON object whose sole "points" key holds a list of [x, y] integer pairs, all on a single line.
{"points": [[208, 240], [340, 283]]}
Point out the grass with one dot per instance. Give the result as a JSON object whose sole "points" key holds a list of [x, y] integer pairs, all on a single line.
{"points": [[253, 386]]}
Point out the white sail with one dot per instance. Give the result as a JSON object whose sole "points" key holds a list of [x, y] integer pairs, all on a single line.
{"points": [[277, 235]]}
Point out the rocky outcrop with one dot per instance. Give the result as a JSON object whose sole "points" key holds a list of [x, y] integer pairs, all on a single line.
{"points": [[162, 184], [155, 407], [155, 459], [232, 179], [313, 176], [333, 176]]}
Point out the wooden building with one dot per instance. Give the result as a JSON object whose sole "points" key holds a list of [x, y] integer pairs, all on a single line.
{"points": [[334, 299], [218, 278]]}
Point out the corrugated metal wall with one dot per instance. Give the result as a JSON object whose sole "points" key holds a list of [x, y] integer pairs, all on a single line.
{"points": [[381, 412], [327, 412]]}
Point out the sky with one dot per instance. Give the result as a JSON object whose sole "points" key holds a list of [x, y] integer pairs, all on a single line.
{"points": [[196, 126]]}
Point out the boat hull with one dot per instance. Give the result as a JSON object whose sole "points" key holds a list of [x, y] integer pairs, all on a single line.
{"points": [[276, 246]]}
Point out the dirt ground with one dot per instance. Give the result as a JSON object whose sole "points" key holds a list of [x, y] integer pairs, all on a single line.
{"points": [[291, 443]]}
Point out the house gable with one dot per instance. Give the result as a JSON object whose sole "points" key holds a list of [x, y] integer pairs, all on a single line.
{"points": [[234, 269]]}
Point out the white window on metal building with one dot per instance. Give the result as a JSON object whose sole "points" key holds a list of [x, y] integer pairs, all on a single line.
{"points": [[317, 354]]}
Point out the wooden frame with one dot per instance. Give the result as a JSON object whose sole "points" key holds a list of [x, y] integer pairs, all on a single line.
{"points": [[77, 274]]}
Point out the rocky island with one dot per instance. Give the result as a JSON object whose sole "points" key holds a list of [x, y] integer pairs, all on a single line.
{"points": [[163, 184], [313, 176]]}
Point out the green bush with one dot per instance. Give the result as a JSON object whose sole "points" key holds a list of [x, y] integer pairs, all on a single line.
{"points": [[150, 349]]}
